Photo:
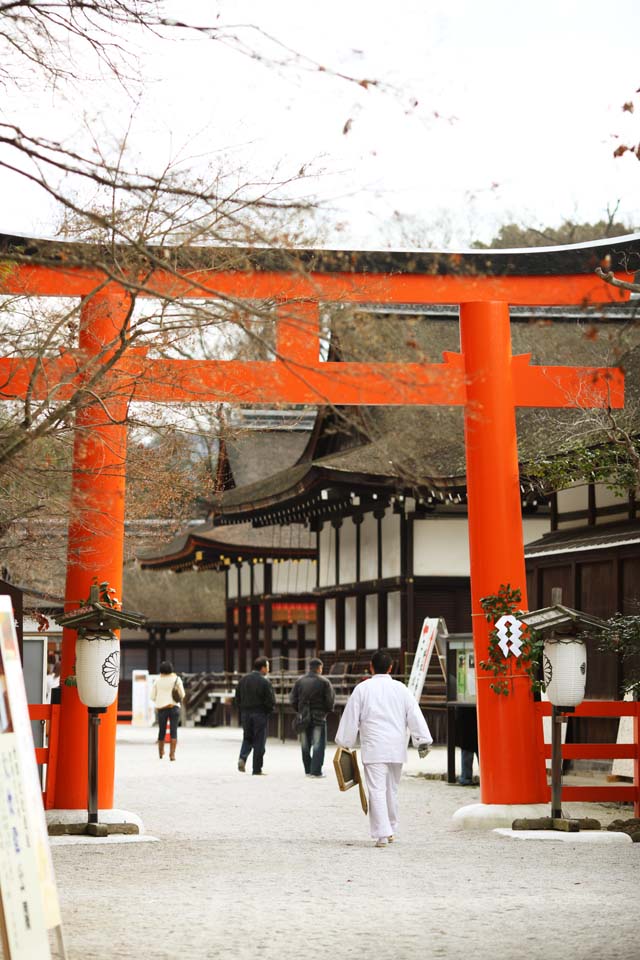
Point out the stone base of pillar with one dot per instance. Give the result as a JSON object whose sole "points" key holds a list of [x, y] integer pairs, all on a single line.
{"points": [[71, 822], [488, 816]]}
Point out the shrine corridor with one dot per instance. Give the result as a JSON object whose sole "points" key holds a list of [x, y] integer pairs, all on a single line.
{"points": [[282, 867]]}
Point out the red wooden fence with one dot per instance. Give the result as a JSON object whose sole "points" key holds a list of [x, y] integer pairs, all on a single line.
{"points": [[602, 751], [46, 756]]}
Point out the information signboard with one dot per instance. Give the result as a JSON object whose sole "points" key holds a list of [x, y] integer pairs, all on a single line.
{"points": [[432, 629], [27, 885]]}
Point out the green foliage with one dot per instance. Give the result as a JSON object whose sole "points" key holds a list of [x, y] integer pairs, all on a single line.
{"points": [[507, 601], [514, 235], [622, 636], [613, 464]]}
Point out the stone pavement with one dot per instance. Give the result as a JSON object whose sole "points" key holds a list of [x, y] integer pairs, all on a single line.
{"points": [[282, 867]]}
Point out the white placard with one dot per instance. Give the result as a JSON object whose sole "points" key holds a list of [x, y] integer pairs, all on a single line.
{"points": [[18, 713], [432, 628], [22, 904], [142, 706]]}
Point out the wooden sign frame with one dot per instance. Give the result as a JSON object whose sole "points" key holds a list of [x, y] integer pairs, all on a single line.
{"points": [[345, 764]]}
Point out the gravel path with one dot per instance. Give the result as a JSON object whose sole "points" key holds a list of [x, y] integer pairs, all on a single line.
{"points": [[282, 867]]}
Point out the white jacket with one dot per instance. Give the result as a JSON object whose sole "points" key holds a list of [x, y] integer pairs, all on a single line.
{"points": [[381, 709], [162, 690]]}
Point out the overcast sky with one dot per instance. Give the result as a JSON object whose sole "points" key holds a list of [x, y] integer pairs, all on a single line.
{"points": [[485, 112]]}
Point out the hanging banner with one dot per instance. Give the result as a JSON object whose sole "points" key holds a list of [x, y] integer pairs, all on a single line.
{"points": [[21, 789], [432, 629]]}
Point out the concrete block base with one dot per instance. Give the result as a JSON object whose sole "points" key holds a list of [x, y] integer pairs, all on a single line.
{"points": [[488, 816], [580, 836]]}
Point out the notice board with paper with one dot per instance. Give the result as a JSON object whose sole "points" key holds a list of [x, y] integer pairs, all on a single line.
{"points": [[29, 905]]}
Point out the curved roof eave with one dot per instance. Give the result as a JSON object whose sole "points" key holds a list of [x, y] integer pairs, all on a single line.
{"points": [[620, 253]]}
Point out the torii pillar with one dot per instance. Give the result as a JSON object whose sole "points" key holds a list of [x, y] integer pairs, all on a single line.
{"points": [[95, 542], [509, 737]]}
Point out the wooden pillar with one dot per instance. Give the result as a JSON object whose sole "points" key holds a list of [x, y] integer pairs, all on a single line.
{"points": [[361, 621], [320, 620], [510, 736], [254, 633], [242, 638], [268, 629], [382, 619], [340, 624], [301, 646], [229, 664], [96, 538]]}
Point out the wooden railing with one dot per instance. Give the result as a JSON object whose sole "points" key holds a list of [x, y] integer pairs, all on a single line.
{"points": [[46, 756], [602, 751]]}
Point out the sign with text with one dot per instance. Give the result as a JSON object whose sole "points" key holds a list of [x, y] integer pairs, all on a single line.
{"points": [[24, 930], [432, 629], [21, 791]]}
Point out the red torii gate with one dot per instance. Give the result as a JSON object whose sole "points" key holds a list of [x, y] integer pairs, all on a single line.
{"points": [[484, 377]]}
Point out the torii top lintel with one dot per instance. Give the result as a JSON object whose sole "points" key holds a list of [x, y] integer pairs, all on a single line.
{"points": [[298, 280]]}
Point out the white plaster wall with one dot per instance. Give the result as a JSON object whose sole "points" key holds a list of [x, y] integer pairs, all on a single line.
{"points": [[608, 498], [232, 583], [441, 547], [330, 625], [350, 623], [393, 619], [371, 621], [327, 556], [307, 569], [348, 556], [535, 527], [369, 548], [245, 580], [284, 577], [391, 544], [258, 578], [575, 498]]}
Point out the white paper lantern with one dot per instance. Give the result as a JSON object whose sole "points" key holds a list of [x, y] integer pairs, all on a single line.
{"points": [[565, 671], [98, 668]]}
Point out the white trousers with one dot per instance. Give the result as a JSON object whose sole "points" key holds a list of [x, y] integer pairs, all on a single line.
{"points": [[382, 780]]}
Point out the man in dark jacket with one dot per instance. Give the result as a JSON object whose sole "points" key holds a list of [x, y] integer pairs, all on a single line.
{"points": [[256, 700], [312, 698]]}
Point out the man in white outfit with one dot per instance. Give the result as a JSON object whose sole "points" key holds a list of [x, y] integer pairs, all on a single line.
{"points": [[381, 710]]}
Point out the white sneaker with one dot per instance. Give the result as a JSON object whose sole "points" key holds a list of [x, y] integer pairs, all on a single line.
{"points": [[381, 842], [391, 838]]}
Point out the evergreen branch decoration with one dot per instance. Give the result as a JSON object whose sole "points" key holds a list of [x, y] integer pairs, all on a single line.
{"points": [[507, 602]]}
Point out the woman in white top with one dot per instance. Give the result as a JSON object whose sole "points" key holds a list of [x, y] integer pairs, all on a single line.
{"points": [[167, 707]]}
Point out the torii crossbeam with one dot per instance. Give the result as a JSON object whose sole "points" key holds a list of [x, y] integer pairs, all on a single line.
{"points": [[484, 377]]}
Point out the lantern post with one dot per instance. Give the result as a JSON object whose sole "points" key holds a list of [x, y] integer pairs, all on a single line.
{"points": [[97, 675]]}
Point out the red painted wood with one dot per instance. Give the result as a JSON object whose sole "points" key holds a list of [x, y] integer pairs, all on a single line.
{"points": [[595, 751], [510, 740], [336, 287], [597, 708], [600, 794]]}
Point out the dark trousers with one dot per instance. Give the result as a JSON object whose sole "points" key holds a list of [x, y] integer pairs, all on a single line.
{"points": [[254, 730], [172, 714], [313, 740]]}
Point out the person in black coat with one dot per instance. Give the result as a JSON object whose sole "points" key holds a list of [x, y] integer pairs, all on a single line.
{"points": [[256, 700], [312, 698]]}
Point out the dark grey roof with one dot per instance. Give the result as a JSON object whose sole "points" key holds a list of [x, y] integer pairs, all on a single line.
{"points": [[601, 537], [231, 542], [252, 454], [164, 596], [623, 253]]}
